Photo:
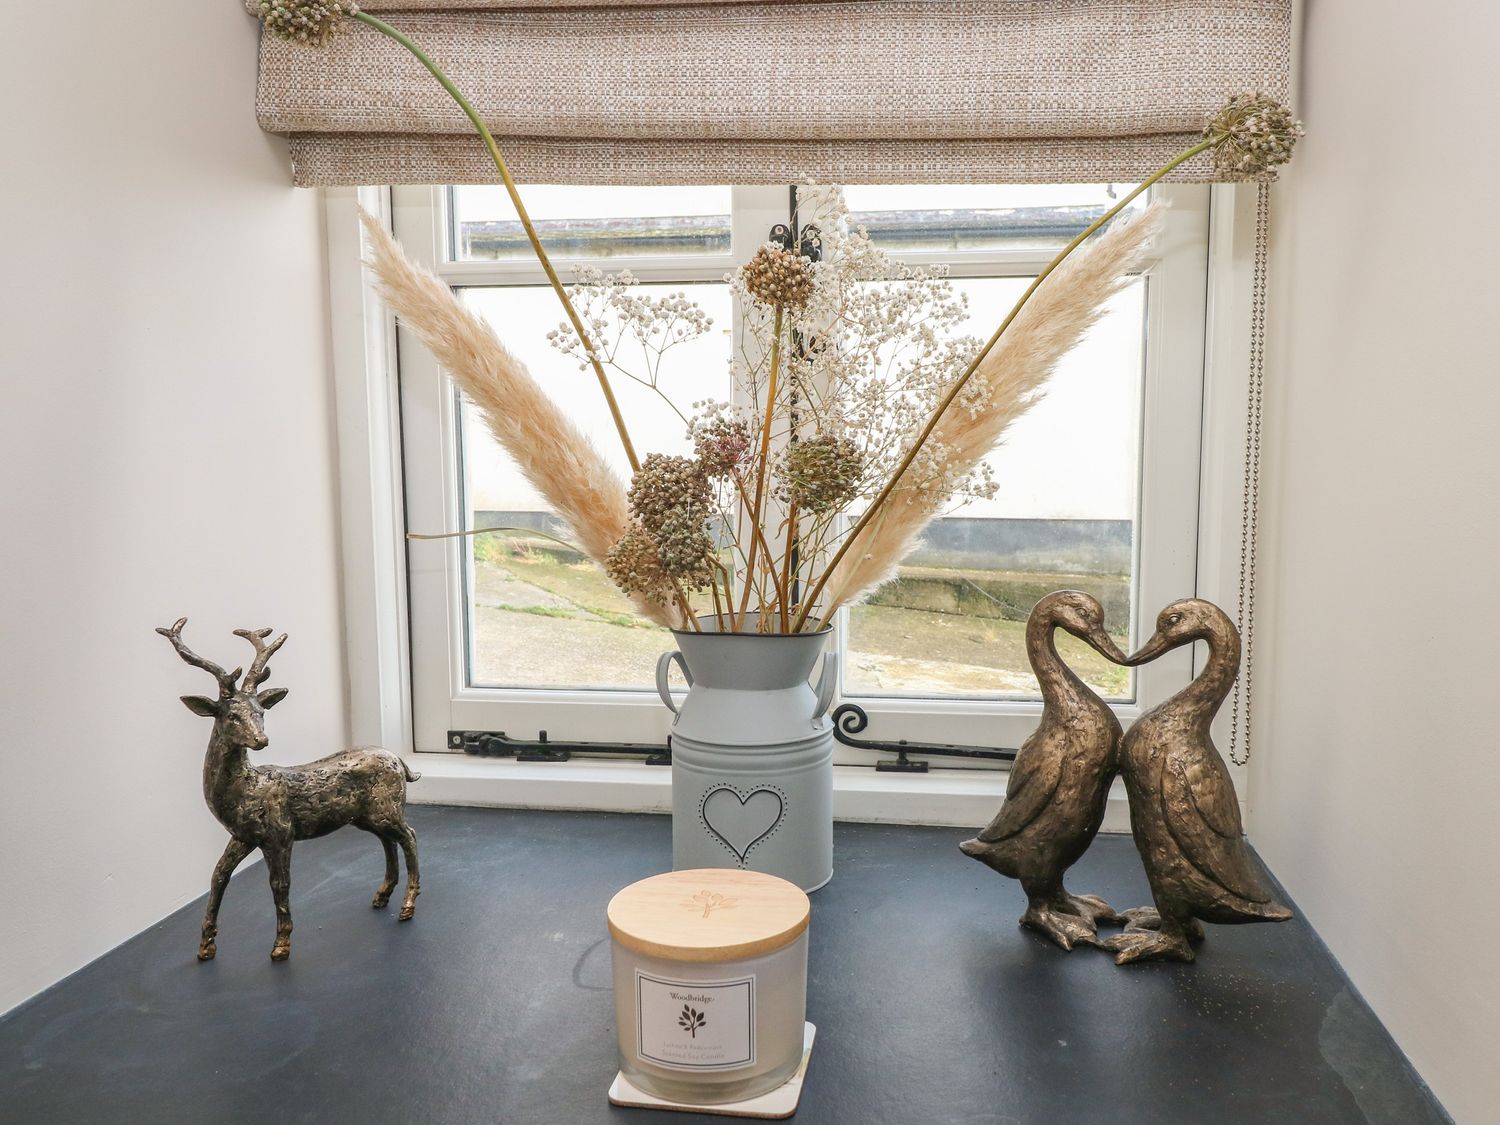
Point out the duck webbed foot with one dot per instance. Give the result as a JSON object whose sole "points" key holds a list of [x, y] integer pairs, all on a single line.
{"points": [[1150, 937], [1095, 908], [1139, 918], [1069, 919]]}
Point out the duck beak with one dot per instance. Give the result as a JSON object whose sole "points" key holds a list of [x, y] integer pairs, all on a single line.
{"points": [[1102, 643], [1158, 644]]}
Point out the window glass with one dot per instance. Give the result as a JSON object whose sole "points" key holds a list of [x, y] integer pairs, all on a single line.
{"points": [[954, 621], [540, 614], [590, 222], [976, 217]]}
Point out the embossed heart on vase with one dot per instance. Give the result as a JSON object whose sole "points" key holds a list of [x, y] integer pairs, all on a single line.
{"points": [[739, 822]]}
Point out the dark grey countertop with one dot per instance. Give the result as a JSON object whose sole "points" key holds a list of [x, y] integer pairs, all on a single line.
{"points": [[494, 1004]]}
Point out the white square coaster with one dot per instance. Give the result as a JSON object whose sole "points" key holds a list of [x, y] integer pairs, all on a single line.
{"points": [[779, 1103]]}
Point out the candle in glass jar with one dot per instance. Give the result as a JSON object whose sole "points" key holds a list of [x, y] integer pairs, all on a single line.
{"points": [[710, 977]]}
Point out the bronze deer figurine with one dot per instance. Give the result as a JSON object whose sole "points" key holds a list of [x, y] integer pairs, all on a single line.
{"points": [[269, 807]]}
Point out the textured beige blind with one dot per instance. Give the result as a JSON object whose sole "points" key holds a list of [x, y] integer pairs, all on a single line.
{"points": [[855, 91]]}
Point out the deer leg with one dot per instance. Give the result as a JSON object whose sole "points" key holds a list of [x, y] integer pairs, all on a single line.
{"points": [[234, 852], [279, 867], [392, 873], [408, 840]]}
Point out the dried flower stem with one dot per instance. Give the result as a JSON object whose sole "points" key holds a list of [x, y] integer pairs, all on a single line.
{"points": [[515, 197], [726, 620], [763, 466], [786, 562], [483, 530], [879, 502], [713, 588], [758, 539]]}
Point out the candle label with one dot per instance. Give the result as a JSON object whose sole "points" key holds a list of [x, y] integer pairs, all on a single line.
{"points": [[695, 1025]]}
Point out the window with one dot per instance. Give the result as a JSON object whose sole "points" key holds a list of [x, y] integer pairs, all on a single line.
{"points": [[513, 630], [537, 613]]}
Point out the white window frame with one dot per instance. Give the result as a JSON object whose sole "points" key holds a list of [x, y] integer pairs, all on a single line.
{"points": [[1192, 435]]}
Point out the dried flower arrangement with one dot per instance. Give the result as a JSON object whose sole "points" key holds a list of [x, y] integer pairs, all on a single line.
{"points": [[845, 360], [868, 415]]}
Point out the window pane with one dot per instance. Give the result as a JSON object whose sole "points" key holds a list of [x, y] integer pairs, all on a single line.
{"points": [[979, 216], [590, 222], [539, 613], [954, 622]]}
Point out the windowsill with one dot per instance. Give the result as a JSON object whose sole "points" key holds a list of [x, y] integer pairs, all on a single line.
{"points": [[959, 798]]}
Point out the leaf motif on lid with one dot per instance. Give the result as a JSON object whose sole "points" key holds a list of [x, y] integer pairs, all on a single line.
{"points": [[708, 902]]}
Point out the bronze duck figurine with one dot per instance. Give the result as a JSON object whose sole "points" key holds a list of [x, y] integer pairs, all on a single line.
{"points": [[1059, 782], [1183, 809]]}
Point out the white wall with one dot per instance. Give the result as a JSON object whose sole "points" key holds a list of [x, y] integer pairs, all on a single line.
{"points": [[1376, 786], [167, 446]]}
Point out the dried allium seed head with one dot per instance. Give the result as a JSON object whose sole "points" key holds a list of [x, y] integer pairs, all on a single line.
{"points": [[634, 565], [820, 473], [723, 446], [669, 489], [302, 21], [778, 278], [670, 498], [685, 551], [1255, 134]]}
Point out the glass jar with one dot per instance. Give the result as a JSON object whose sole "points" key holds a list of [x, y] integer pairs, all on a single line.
{"points": [[710, 979]]}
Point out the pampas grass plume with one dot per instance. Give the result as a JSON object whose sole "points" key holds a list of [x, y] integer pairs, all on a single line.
{"points": [[553, 453], [1062, 309]]}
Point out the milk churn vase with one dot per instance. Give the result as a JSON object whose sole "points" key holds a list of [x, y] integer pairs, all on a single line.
{"points": [[752, 753]]}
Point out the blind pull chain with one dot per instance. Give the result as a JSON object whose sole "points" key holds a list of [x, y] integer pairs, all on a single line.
{"points": [[1239, 747]]}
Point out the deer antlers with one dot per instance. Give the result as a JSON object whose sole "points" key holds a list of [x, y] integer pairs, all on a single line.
{"points": [[263, 653], [227, 680]]}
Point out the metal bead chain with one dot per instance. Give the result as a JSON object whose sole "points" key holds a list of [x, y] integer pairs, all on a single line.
{"points": [[1239, 749]]}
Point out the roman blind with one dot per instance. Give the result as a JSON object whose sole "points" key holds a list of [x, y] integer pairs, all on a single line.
{"points": [[725, 91]]}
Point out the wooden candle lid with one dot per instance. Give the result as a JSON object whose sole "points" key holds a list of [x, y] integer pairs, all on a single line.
{"points": [[708, 914]]}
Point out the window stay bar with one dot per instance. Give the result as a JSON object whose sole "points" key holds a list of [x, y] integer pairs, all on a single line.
{"points": [[850, 718]]}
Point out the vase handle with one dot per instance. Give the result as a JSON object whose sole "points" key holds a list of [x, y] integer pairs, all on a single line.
{"points": [[663, 666], [827, 682]]}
